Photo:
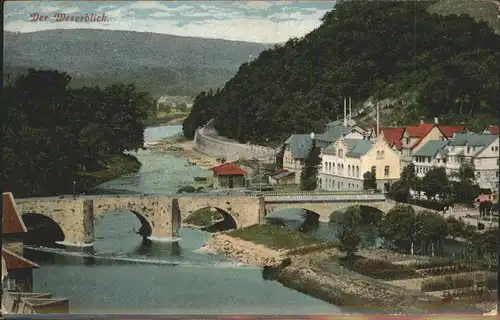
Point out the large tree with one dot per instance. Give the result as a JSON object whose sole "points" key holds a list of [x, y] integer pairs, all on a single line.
{"points": [[348, 231], [398, 227], [310, 168], [53, 132], [435, 182]]}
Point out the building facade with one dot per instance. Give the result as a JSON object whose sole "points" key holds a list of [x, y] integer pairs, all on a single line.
{"points": [[479, 149], [297, 146], [346, 160], [228, 176]]}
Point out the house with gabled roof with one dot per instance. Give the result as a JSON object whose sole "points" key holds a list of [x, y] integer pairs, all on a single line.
{"points": [[346, 160], [297, 146], [415, 137], [228, 176], [479, 149]]}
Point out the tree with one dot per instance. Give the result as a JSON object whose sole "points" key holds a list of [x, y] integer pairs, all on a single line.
{"points": [[399, 191], [464, 186], [348, 231], [435, 182], [430, 228], [309, 173], [55, 132], [398, 227], [409, 176], [369, 180]]}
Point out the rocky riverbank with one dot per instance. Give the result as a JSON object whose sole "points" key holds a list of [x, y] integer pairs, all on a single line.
{"points": [[313, 271], [183, 148]]}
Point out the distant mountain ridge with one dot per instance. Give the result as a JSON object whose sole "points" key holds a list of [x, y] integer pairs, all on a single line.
{"points": [[89, 51]]}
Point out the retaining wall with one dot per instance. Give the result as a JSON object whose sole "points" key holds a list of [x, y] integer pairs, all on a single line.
{"points": [[218, 148]]}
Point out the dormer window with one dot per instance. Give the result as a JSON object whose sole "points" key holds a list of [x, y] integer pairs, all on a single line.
{"points": [[341, 153]]}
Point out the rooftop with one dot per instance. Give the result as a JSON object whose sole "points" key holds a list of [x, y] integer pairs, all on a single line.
{"points": [[494, 129], [431, 148], [11, 218], [14, 261], [473, 139], [228, 169]]}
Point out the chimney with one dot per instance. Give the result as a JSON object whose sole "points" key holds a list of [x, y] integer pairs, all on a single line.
{"points": [[436, 120], [422, 121]]}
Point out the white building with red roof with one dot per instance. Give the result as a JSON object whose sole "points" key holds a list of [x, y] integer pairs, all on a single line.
{"points": [[228, 176]]}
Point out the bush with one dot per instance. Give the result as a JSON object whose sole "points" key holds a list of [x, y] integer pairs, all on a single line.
{"points": [[470, 295], [459, 281], [379, 269], [431, 204]]}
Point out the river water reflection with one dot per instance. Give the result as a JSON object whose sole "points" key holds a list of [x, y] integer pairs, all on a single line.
{"points": [[122, 274]]}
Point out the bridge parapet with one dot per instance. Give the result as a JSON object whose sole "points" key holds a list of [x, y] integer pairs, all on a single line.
{"points": [[326, 198]]}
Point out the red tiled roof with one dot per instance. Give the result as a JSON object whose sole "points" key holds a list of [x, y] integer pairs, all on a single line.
{"points": [[494, 129], [419, 131], [228, 169], [448, 131], [14, 261], [11, 219], [393, 136]]}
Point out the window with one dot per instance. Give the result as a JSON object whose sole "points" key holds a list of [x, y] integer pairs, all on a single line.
{"points": [[428, 159], [386, 171], [374, 169], [11, 284], [357, 171], [349, 170], [341, 153]]}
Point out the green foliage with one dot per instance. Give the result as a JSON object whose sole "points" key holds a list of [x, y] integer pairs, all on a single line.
{"points": [[379, 269], [398, 227], [399, 192], [465, 189], [348, 231], [409, 176], [430, 227], [369, 180], [435, 182], [459, 281], [181, 107], [309, 173], [273, 237], [455, 71], [204, 217], [54, 134]]}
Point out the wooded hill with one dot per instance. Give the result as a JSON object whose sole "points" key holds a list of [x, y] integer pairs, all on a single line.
{"points": [[444, 66], [156, 63]]}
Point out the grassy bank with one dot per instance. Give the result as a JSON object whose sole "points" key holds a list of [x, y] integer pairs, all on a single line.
{"points": [[273, 237], [112, 167]]}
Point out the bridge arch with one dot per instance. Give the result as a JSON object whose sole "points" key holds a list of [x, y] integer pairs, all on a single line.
{"points": [[146, 228], [42, 229], [207, 215], [370, 214]]}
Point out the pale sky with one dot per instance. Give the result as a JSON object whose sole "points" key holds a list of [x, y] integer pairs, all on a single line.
{"points": [[253, 21]]}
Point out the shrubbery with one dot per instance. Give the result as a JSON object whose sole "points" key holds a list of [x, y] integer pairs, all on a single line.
{"points": [[379, 269], [459, 281]]}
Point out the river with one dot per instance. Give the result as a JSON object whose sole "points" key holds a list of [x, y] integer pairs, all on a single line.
{"points": [[122, 274]]}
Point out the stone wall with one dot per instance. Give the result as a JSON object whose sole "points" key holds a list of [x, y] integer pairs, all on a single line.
{"points": [[206, 141]]}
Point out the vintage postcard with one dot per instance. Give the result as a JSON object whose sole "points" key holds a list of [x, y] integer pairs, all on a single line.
{"points": [[284, 159]]}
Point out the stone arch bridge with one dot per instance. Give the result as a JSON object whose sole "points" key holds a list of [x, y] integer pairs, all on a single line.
{"points": [[162, 216]]}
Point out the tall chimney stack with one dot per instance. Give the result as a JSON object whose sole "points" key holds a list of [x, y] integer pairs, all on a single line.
{"points": [[350, 105], [436, 120], [345, 112], [378, 125]]}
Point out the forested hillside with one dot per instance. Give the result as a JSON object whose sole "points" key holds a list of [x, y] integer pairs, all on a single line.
{"points": [[157, 63], [434, 65], [54, 135]]}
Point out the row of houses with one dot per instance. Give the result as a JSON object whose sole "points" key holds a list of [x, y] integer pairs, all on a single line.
{"points": [[17, 271], [348, 152]]}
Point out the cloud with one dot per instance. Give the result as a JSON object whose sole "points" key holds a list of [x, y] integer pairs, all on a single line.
{"points": [[253, 21]]}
